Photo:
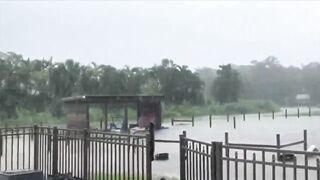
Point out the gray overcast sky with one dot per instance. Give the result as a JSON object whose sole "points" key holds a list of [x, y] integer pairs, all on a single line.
{"points": [[141, 33]]}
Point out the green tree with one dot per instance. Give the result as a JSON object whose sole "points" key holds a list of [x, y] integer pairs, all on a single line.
{"points": [[88, 81], [177, 83], [269, 80], [63, 79], [226, 86], [311, 81]]}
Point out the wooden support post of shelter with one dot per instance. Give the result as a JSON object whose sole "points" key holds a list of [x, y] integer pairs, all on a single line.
{"points": [[210, 120], [101, 123], [105, 112], [244, 116], [234, 123], [298, 112], [87, 120], [125, 123], [259, 115]]}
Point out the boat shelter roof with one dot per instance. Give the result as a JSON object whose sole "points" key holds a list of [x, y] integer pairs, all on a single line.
{"points": [[94, 99]]}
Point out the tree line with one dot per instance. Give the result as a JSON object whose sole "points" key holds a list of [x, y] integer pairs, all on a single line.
{"points": [[39, 85], [266, 79]]}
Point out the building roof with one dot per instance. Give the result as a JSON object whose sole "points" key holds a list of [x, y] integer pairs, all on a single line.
{"points": [[108, 98]]}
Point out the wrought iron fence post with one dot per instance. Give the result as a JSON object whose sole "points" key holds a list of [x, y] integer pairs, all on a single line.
{"points": [[217, 161], [36, 147], [85, 154], [278, 146], [148, 158], [212, 162], [0, 143], [305, 147], [227, 154], [182, 144], [55, 151]]}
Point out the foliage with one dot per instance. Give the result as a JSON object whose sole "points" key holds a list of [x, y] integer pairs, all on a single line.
{"points": [[26, 117], [39, 85], [177, 83], [207, 75], [269, 80], [226, 86]]}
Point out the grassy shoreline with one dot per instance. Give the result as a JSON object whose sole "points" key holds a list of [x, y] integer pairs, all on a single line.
{"points": [[28, 118], [216, 109]]}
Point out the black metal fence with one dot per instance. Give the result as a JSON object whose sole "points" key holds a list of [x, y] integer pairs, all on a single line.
{"points": [[81, 154], [198, 160], [215, 161]]}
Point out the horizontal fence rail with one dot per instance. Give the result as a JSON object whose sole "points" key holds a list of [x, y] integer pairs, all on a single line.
{"points": [[82, 154], [299, 112], [173, 120]]}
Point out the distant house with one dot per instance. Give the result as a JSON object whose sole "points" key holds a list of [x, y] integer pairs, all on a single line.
{"points": [[303, 99]]}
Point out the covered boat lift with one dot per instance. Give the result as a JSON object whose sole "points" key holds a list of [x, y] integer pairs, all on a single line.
{"points": [[148, 110]]}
